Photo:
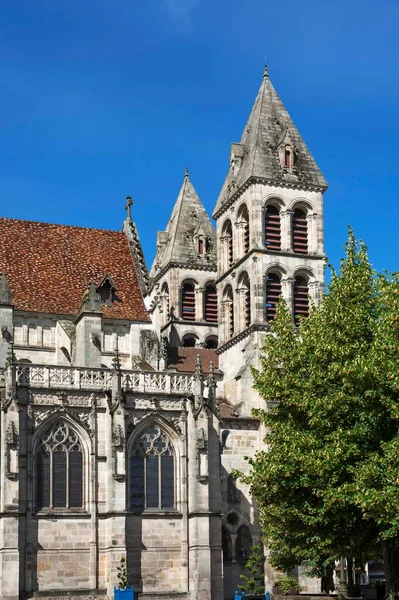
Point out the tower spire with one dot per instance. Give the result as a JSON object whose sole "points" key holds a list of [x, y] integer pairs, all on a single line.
{"points": [[186, 173]]}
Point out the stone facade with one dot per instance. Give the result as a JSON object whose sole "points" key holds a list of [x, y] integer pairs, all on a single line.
{"points": [[111, 444]]}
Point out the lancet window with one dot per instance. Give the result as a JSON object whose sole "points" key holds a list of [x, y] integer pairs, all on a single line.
{"points": [[152, 471], [59, 468]]}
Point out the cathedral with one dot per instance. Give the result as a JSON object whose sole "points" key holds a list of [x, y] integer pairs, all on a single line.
{"points": [[126, 394]]}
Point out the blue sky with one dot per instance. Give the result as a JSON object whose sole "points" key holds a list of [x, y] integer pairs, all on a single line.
{"points": [[104, 99]]}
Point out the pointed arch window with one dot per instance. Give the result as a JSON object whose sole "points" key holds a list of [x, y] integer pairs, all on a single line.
{"points": [[243, 543], [299, 231], [211, 303], [273, 292], [272, 228], [188, 302], [228, 243], [301, 298], [229, 303], [152, 471], [243, 221], [59, 468], [201, 246]]}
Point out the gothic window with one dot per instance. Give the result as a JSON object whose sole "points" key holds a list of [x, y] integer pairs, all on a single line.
{"points": [[211, 303], [211, 342], [227, 235], [201, 245], [59, 468], [243, 543], [152, 471], [301, 299], [229, 303], [287, 157], [188, 302], [299, 231], [272, 228], [273, 292]]}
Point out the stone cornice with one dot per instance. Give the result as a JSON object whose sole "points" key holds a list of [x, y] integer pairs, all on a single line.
{"points": [[211, 267], [300, 185]]}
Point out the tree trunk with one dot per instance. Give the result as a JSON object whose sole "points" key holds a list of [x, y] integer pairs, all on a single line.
{"points": [[391, 568]]}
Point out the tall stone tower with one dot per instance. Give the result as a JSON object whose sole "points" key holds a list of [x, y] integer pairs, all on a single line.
{"points": [[182, 288], [270, 237]]}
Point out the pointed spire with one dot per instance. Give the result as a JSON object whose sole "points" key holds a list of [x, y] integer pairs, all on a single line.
{"points": [[211, 376], [198, 367], [260, 152], [5, 292], [179, 243], [116, 361]]}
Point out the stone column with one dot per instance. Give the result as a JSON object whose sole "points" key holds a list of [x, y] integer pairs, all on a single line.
{"points": [[286, 230], [199, 304], [311, 221], [88, 330], [287, 291]]}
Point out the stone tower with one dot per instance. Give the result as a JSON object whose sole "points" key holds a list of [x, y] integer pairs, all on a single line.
{"points": [[182, 289], [270, 237]]}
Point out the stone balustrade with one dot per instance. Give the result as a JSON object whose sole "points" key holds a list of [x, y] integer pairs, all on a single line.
{"points": [[56, 377]]}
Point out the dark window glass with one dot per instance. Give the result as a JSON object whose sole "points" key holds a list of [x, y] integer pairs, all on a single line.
{"points": [[59, 479], [167, 482], [152, 481], [137, 482], [43, 480], [75, 480]]}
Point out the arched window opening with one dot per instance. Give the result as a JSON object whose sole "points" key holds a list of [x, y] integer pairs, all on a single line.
{"points": [[226, 545], [272, 228], [188, 302], [189, 341], [152, 471], [211, 343], [273, 292], [301, 299], [243, 220], [228, 237], [299, 231], [228, 297], [287, 158], [59, 468], [201, 246], [243, 543], [211, 304]]}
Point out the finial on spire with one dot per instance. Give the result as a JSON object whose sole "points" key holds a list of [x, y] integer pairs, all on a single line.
{"points": [[186, 173], [129, 203], [265, 70]]}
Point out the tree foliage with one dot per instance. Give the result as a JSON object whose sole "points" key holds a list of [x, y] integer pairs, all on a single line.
{"points": [[253, 582], [327, 483]]}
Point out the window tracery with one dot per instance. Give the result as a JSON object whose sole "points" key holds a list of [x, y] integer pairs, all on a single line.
{"points": [[152, 479], [59, 468]]}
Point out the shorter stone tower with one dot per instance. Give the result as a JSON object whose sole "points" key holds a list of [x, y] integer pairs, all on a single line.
{"points": [[182, 291]]}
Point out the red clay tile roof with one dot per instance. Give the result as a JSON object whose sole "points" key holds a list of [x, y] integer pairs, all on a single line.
{"points": [[185, 358], [49, 267]]}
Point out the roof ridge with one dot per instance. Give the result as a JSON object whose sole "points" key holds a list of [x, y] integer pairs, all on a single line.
{"points": [[60, 225]]}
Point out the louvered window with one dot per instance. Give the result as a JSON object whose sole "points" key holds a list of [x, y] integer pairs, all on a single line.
{"points": [[272, 228], [299, 232], [244, 222], [211, 304], [59, 469], [188, 302], [228, 236], [228, 296], [301, 299], [152, 478], [273, 292]]}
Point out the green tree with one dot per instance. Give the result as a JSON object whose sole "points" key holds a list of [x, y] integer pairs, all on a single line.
{"points": [[332, 391], [253, 580]]}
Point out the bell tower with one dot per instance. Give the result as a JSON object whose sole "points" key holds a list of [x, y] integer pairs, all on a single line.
{"points": [[269, 218]]}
